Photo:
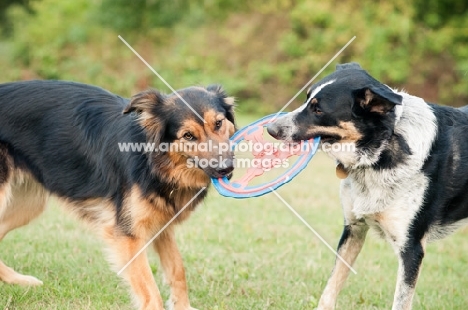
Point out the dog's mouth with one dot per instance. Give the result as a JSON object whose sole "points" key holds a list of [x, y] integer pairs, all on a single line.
{"points": [[219, 171], [218, 175], [324, 137], [327, 138], [228, 176]]}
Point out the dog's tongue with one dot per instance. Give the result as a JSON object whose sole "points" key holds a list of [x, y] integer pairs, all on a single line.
{"points": [[341, 171]]}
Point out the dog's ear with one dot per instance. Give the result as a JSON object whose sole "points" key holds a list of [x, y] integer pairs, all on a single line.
{"points": [[377, 98], [144, 101], [229, 106], [148, 105], [227, 102], [351, 65]]}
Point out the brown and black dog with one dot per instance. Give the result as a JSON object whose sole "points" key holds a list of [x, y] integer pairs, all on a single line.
{"points": [[102, 156]]}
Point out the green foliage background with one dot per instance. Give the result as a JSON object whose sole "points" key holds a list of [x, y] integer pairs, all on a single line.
{"points": [[261, 51]]}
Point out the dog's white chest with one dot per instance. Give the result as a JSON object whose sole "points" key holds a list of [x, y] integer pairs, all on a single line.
{"points": [[386, 205], [372, 192]]}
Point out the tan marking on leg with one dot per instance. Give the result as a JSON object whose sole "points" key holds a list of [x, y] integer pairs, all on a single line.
{"points": [[394, 223], [149, 214], [138, 274], [5, 197], [349, 252], [21, 200], [26, 199], [146, 214], [171, 262]]}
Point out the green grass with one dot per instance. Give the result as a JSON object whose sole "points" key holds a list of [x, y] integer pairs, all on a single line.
{"points": [[239, 254]]}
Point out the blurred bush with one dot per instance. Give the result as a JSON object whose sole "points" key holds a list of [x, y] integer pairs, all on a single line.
{"points": [[262, 51]]}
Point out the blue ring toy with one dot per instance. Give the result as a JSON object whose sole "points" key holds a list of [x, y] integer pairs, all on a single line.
{"points": [[308, 149]]}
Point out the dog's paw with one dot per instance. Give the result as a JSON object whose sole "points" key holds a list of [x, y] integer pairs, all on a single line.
{"points": [[171, 306], [20, 279], [324, 307]]}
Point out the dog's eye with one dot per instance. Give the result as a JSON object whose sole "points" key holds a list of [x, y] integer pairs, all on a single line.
{"points": [[188, 136], [218, 124]]}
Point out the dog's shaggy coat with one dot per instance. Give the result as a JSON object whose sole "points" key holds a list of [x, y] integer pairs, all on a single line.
{"points": [[62, 139]]}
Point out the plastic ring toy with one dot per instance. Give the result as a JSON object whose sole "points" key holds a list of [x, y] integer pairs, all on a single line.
{"points": [[268, 156]]}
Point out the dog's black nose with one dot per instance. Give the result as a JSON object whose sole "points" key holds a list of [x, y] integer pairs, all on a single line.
{"points": [[227, 167], [273, 130]]}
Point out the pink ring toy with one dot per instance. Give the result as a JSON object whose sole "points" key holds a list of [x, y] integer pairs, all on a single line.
{"points": [[267, 157]]}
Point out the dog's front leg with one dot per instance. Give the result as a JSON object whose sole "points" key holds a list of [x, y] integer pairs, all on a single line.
{"points": [[138, 274], [409, 265], [351, 242], [171, 262]]}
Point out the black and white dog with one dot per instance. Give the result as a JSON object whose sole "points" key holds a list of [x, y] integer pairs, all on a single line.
{"points": [[406, 177]]}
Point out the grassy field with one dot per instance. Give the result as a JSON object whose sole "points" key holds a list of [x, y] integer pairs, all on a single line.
{"points": [[239, 254]]}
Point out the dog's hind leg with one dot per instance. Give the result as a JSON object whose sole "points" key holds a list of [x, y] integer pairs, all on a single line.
{"points": [[21, 200], [171, 262], [351, 242]]}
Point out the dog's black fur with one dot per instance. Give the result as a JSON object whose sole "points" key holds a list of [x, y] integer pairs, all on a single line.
{"points": [[62, 138], [406, 176], [38, 117]]}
